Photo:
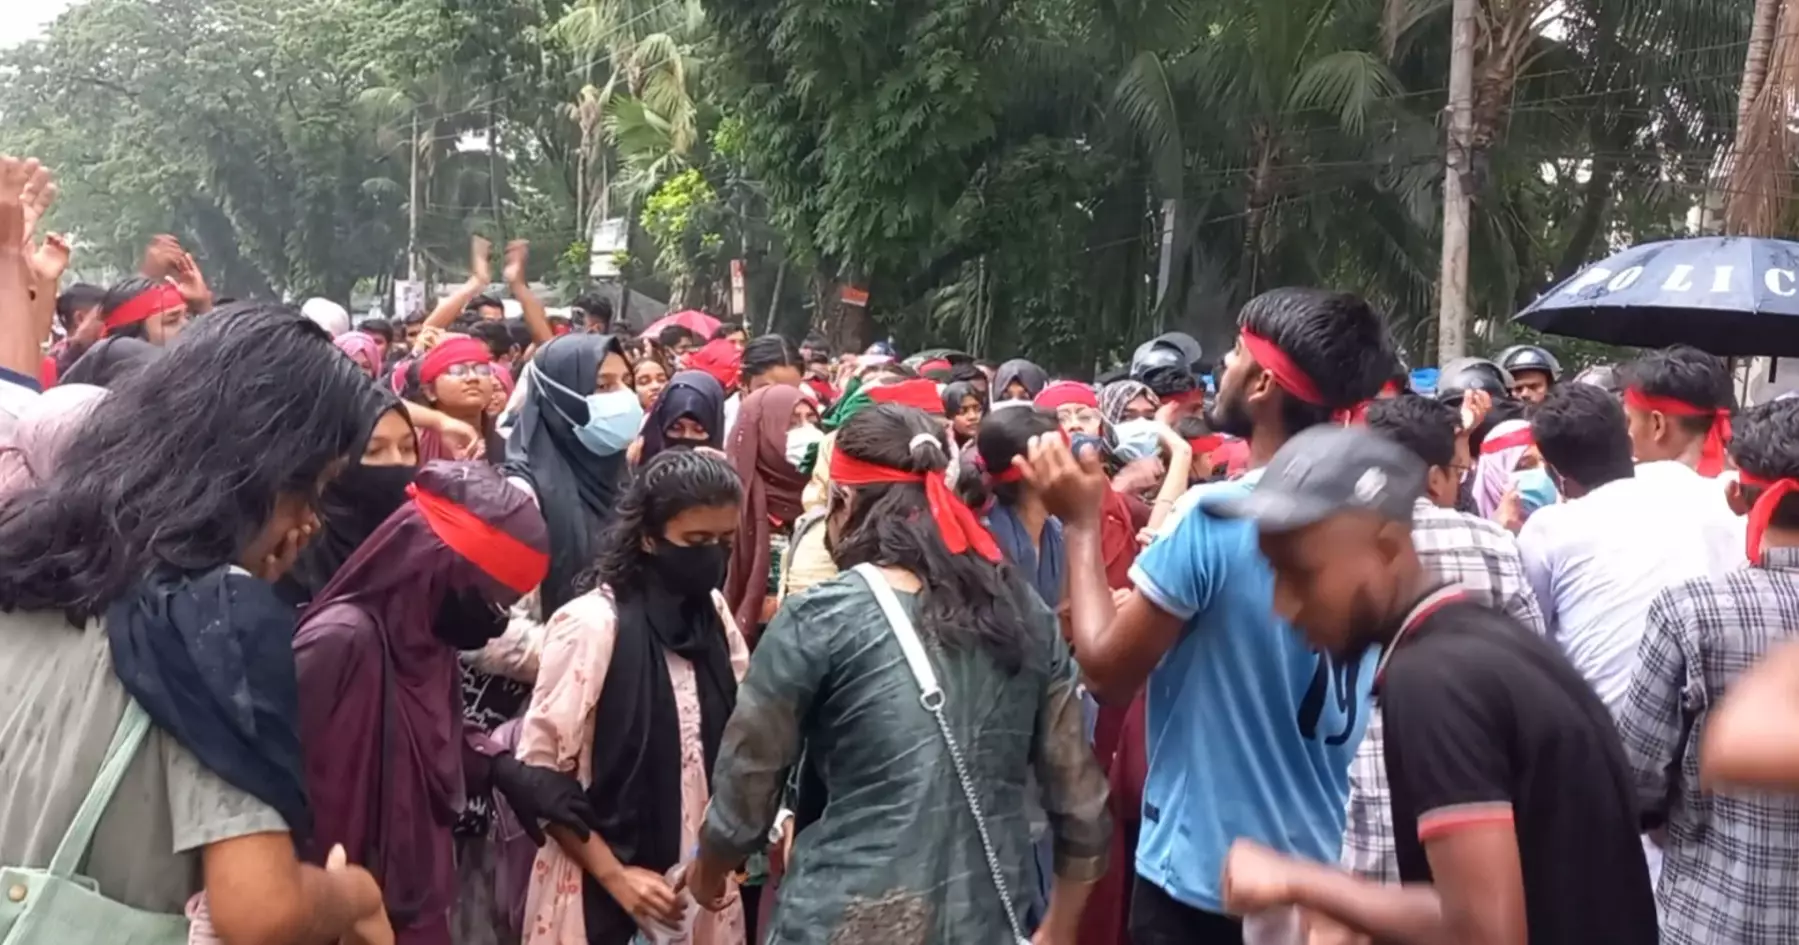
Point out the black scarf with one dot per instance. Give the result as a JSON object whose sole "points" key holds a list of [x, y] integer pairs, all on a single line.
{"points": [[211, 660], [352, 507], [576, 489], [637, 737]]}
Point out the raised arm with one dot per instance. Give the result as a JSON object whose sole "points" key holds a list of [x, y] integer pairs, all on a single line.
{"points": [[538, 321], [480, 274], [1117, 646]]}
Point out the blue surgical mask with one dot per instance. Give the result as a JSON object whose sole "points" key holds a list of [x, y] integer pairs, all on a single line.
{"points": [[1535, 488], [613, 417]]}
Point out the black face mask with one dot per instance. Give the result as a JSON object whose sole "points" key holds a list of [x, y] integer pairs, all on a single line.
{"points": [[674, 444], [465, 620], [690, 570]]}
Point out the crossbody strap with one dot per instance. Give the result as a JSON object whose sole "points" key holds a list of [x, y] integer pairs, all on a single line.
{"points": [[127, 738], [930, 695]]}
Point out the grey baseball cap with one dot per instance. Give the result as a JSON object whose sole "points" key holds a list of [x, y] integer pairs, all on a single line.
{"points": [[1327, 470]]}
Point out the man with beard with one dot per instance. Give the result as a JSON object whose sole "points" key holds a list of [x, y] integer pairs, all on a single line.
{"points": [[1512, 803], [1250, 732]]}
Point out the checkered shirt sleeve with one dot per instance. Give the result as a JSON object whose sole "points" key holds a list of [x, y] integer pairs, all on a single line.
{"points": [[1482, 558], [1730, 872]]}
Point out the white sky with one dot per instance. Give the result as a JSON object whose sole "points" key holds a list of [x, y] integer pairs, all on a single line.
{"points": [[21, 20]]}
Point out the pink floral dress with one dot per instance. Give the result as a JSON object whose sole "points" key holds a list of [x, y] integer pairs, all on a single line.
{"points": [[558, 733]]}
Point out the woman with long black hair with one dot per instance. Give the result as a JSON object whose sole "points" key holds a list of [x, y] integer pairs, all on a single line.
{"points": [[637, 679], [907, 849], [133, 582]]}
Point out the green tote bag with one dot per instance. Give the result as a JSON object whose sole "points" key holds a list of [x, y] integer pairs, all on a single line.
{"points": [[56, 906]]}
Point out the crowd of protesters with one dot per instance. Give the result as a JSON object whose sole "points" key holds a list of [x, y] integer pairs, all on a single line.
{"points": [[467, 629]]}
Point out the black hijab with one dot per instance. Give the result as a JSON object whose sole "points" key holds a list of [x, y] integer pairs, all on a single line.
{"points": [[351, 508], [109, 361], [637, 733], [576, 488], [692, 394]]}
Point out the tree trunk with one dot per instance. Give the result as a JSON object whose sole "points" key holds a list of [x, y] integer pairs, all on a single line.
{"points": [[1756, 182], [1755, 62]]}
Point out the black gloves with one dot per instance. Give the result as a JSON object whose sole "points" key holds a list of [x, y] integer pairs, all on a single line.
{"points": [[541, 795]]}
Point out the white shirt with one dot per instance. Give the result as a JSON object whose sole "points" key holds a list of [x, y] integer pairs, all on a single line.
{"points": [[1596, 562]]}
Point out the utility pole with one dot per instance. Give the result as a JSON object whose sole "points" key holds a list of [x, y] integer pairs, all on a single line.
{"points": [[1452, 285], [412, 210]]}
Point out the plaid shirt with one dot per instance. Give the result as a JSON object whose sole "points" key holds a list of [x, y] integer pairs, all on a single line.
{"points": [[1729, 870], [1481, 558]]}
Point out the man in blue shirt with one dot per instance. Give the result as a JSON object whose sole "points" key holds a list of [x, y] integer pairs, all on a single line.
{"points": [[1250, 732]]}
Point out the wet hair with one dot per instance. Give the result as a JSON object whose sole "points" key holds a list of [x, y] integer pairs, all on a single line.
{"points": [[1004, 434], [672, 482], [496, 336], [75, 298], [1334, 337], [378, 327], [178, 476], [965, 601], [521, 333], [479, 302], [672, 335], [121, 293], [1420, 424], [1765, 443], [1580, 430], [1688, 375], [727, 329], [594, 307], [764, 353]]}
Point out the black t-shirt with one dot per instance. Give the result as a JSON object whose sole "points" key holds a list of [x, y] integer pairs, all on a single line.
{"points": [[1486, 721]]}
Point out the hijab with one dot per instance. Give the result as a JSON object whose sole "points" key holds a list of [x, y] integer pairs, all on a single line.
{"points": [[695, 395], [362, 348], [44, 428], [576, 488], [771, 491], [350, 509], [1024, 372], [110, 360], [1116, 396], [399, 582], [637, 740], [1500, 452], [721, 359]]}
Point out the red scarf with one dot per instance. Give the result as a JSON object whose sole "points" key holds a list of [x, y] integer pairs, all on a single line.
{"points": [[499, 555], [956, 522], [1760, 514]]}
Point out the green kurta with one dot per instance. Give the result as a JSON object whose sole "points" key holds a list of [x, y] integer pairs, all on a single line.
{"points": [[895, 859]]}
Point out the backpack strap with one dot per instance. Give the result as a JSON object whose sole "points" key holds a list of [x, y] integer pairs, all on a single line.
{"points": [[126, 740]]}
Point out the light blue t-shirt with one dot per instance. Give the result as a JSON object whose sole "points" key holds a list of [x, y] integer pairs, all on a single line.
{"points": [[1250, 732]]}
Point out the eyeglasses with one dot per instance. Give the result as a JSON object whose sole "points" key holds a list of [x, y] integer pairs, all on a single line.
{"points": [[469, 369]]}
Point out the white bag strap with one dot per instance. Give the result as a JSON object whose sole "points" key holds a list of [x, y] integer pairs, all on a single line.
{"points": [[929, 693]]}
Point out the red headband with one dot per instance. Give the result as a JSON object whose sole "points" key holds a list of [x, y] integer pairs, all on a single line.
{"points": [[1762, 512], [1205, 444], [154, 300], [499, 555], [1711, 454], [450, 352], [918, 393], [957, 524], [1293, 380], [936, 364], [721, 359], [1510, 440], [1063, 393]]}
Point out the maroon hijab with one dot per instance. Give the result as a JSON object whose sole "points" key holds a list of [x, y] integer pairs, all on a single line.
{"points": [[757, 449], [380, 692]]}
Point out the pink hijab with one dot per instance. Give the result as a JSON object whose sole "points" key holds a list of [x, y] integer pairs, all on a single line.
{"points": [[1500, 452], [362, 348], [45, 427]]}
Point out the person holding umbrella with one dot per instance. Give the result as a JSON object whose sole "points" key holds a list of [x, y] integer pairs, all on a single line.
{"points": [[1677, 403]]}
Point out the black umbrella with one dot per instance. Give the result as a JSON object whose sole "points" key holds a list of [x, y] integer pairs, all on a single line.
{"points": [[1734, 296]]}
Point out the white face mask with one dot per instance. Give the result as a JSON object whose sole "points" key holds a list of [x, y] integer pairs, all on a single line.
{"points": [[1137, 439], [800, 441]]}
